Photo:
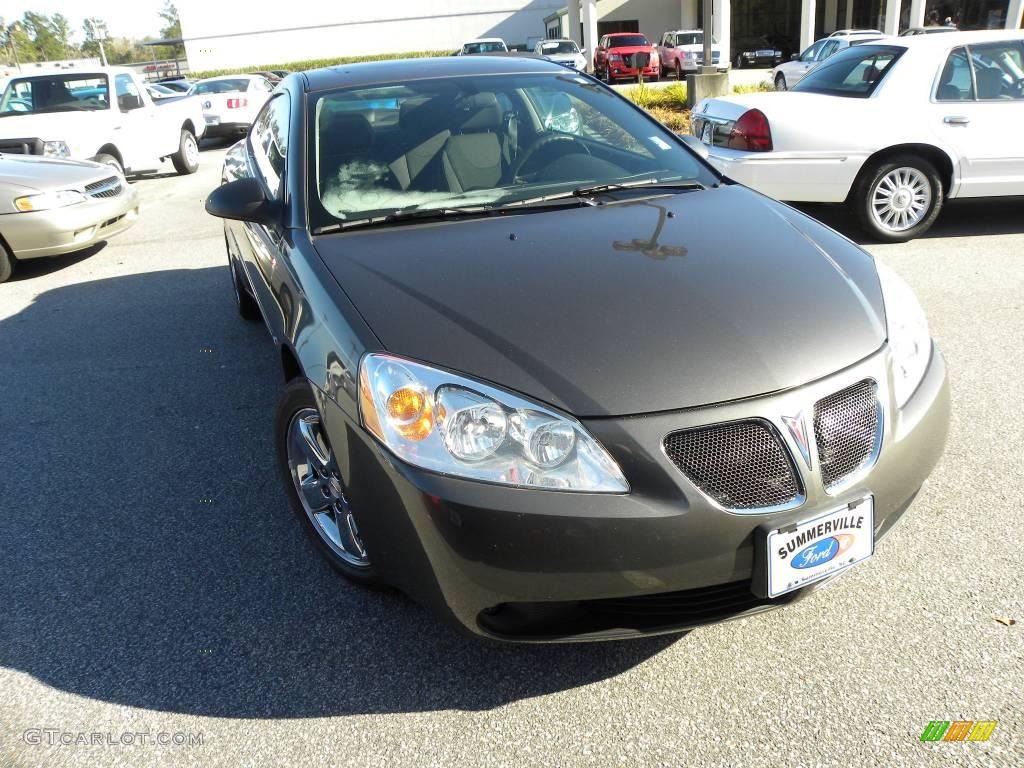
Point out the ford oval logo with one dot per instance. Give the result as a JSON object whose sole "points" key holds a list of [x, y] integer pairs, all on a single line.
{"points": [[817, 553]]}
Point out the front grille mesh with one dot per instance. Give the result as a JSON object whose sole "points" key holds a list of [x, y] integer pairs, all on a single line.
{"points": [[637, 60], [846, 429], [741, 465], [109, 187]]}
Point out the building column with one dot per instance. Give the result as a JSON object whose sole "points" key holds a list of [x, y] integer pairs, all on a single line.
{"points": [[589, 27], [916, 13], [807, 10], [688, 14], [831, 16], [849, 14], [573, 20], [892, 17], [721, 27], [1014, 13]]}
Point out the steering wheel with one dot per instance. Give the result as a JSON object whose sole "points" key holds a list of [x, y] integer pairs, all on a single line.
{"points": [[546, 140]]}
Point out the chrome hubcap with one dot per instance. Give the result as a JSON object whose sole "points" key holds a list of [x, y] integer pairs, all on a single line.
{"points": [[191, 150], [321, 490], [901, 199]]}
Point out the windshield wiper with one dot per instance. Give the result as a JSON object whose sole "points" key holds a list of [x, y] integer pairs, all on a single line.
{"points": [[600, 189], [581, 193], [409, 214]]}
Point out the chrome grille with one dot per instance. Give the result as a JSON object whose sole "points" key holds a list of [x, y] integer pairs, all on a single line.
{"points": [[846, 427], [109, 187], [638, 60], [741, 465]]}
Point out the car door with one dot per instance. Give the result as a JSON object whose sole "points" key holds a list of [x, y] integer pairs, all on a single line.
{"points": [[601, 54], [262, 246], [800, 67], [133, 126], [978, 103]]}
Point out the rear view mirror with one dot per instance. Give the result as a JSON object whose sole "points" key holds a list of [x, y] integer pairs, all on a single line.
{"points": [[243, 200]]}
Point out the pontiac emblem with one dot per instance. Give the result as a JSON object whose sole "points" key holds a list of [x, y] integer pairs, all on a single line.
{"points": [[798, 429]]}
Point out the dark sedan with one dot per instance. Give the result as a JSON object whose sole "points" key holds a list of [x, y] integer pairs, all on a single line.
{"points": [[765, 51], [550, 374]]}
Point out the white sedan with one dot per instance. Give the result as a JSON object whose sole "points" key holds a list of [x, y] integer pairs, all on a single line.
{"points": [[892, 127], [231, 102]]}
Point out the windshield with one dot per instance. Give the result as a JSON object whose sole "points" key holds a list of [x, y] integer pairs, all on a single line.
{"points": [[220, 86], [621, 41], [54, 93], [480, 140], [561, 46], [494, 47], [693, 38], [855, 72]]}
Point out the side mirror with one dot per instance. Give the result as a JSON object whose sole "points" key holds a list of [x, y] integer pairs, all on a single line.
{"points": [[692, 142], [243, 200], [128, 101], [583, 50], [794, 57]]}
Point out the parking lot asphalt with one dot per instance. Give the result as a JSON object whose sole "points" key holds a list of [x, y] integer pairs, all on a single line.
{"points": [[154, 579]]}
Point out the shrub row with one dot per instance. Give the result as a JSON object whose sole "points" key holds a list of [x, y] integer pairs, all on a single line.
{"points": [[299, 66]]}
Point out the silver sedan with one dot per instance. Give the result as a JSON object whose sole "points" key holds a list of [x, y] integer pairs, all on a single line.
{"points": [[49, 207]]}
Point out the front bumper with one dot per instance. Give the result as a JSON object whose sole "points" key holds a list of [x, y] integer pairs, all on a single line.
{"points": [[620, 70], [221, 127], [72, 228], [812, 177], [530, 565]]}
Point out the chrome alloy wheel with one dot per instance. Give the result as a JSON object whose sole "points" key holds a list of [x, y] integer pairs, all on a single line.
{"points": [[320, 489], [901, 199]]}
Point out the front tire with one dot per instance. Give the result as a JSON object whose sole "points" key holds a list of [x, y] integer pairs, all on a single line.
{"points": [[110, 160], [679, 72], [186, 159], [315, 486], [6, 263], [898, 198], [780, 82], [248, 309]]}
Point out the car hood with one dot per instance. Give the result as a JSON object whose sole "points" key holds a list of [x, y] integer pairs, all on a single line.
{"points": [[625, 50], [626, 308], [46, 173]]}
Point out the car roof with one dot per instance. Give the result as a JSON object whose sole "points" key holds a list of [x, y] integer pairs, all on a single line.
{"points": [[90, 72], [952, 39], [402, 70], [683, 31], [485, 40], [623, 34]]}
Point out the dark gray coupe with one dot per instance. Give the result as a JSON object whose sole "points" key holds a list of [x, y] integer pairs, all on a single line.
{"points": [[550, 374]]}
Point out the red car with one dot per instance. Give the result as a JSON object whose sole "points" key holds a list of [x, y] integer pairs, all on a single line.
{"points": [[626, 55]]}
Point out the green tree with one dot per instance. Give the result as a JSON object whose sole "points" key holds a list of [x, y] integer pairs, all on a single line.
{"points": [[17, 43], [62, 31], [171, 30], [94, 30], [40, 28]]}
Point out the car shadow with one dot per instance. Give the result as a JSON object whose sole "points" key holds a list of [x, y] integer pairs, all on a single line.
{"points": [[30, 268], [959, 218], [151, 556]]}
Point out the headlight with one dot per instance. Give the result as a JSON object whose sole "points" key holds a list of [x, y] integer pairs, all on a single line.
{"points": [[56, 149], [909, 340], [654, 58], [447, 423], [47, 200]]}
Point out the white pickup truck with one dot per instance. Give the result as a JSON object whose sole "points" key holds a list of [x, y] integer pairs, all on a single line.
{"points": [[71, 114]]}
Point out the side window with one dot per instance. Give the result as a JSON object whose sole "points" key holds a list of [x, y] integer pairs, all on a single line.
{"points": [[998, 70], [828, 49], [811, 53], [269, 142], [128, 97], [955, 83]]}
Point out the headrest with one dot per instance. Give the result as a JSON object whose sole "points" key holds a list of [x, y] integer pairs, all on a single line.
{"points": [[479, 112], [990, 82], [345, 132]]}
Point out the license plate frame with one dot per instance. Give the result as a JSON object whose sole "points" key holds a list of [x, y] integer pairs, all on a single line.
{"points": [[818, 542]]}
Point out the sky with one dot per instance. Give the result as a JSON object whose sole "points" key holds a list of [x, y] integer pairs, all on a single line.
{"points": [[125, 18]]}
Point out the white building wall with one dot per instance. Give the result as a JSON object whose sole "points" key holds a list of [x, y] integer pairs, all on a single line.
{"points": [[227, 35], [655, 16]]}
